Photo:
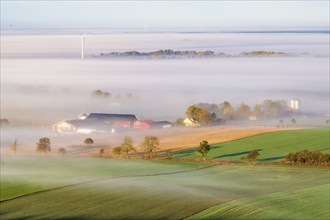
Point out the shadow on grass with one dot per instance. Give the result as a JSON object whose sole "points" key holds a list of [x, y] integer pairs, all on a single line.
{"points": [[236, 154], [26, 217], [185, 152], [271, 158]]}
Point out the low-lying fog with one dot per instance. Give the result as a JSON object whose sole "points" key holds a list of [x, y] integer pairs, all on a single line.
{"points": [[44, 81]]}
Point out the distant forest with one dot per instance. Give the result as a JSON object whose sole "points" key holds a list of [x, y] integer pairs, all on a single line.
{"points": [[168, 53]]}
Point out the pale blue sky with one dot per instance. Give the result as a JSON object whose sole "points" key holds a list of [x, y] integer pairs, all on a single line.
{"points": [[162, 14]]}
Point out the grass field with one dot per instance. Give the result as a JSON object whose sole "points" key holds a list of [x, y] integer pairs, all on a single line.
{"points": [[87, 188], [281, 205], [271, 146]]}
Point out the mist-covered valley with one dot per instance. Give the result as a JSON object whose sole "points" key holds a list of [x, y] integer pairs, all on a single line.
{"points": [[44, 80]]}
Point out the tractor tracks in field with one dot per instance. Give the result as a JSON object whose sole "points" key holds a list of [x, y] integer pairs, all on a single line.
{"points": [[103, 179]]}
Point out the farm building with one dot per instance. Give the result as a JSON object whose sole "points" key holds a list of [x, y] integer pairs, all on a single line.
{"points": [[142, 124], [189, 122], [160, 124], [96, 122], [105, 123], [83, 126], [150, 124]]}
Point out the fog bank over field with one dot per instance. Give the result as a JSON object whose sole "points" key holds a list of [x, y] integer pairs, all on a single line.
{"points": [[43, 80], [68, 46]]}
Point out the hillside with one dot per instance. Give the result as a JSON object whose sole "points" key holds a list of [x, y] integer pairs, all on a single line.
{"points": [[272, 146], [86, 188]]}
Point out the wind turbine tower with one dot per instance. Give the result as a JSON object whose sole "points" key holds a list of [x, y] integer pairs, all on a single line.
{"points": [[82, 45], [145, 28]]}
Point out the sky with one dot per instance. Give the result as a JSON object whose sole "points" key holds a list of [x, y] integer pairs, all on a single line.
{"points": [[75, 14]]}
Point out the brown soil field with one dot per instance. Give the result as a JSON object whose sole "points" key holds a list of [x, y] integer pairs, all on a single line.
{"points": [[173, 138], [181, 138]]}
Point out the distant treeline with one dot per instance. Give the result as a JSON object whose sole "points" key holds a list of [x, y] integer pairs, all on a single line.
{"points": [[168, 53], [268, 109]]}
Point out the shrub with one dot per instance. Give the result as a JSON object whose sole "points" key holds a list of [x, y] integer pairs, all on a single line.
{"points": [[116, 151], [127, 146], [13, 146], [88, 141], [168, 154], [253, 155], [307, 157], [150, 145], [62, 151], [43, 146]]}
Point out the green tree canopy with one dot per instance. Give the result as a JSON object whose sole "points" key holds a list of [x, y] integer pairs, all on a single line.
{"points": [[150, 145], [43, 146], [204, 148], [88, 141], [127, 146]]}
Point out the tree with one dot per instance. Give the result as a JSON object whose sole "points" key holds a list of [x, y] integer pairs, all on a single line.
{"points": [[327, 121], [203, 148], [293, 121], [150, 145], [179, 122], [257, 112], [201, 115], [43, 146], [101, 151], [4, 122], [127, 146], [253, 155], [116, 151], [227, 110], [13, 146], [97, 93], [243, 111], [271, 108], [62, 151], [107, 95], [211, 108], [88, 141], [281, 121]]}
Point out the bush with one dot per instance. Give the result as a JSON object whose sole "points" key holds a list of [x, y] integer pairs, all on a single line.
{"points": [[62, 151], [168, 154], [43, 146], [88, 141], [150, 145], [307, 157], [253, 155], [116, 151]]}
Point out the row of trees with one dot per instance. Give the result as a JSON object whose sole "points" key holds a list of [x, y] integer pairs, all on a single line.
{"points": [[266, 110], [149, 146], [99, 94]]}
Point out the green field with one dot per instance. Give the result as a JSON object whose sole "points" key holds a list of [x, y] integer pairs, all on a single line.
{"points": [[87, 188], [271, 146]]}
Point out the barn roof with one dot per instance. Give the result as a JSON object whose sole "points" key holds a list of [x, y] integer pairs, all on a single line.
{"points": [[88, 124], [160, 123], [112, 117]]}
